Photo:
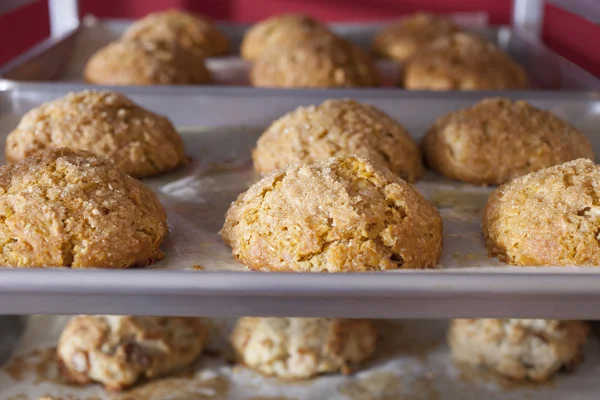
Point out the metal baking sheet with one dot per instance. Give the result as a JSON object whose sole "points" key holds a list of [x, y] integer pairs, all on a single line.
{"points": [[412, 362], [199, 275], [63, 59]]}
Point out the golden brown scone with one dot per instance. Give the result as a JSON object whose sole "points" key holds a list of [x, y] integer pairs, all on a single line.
{"points": [[118, 351], [521, 349], [138, 141], [137, 62], [549, 217], [338, 128], [341, 214], [190, 31], [279, 32], [65, 208], [325, 63], [299, 348], [463, 61], [403, 39], [497, 140]]}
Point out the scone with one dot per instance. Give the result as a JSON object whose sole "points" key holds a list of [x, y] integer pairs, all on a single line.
{"points": [[65, 208], [118, 351], [279, 32], [139, 142], [299, 348], [497, 140], [463, 61], [521, 349], [138, 62], [326, 63], [338, 128], [191, 32], [548, 217], [403, 39], [341, 214]]}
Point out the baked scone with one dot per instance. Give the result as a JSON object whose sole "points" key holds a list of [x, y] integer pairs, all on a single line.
{"points": [[521, 349], [463, 61], [118, 351], [279, 32], [338, 128], [65, 208], [325, 63], [139, 142], [404, 38], [299, 348], [497, 140], [139, 62], [190, 31], [341, 214], [548, 217]]}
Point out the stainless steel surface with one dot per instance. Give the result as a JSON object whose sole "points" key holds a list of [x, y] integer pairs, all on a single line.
{"points": [[412, 363], [64, 16], [528, 15], [220, 126], [64, 60]]}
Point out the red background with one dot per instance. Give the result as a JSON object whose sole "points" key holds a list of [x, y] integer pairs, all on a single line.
{"points": [[567, 34]]}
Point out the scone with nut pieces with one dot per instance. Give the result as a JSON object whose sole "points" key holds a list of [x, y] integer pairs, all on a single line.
{"points": [[403, 39], [338, 128], [549, 217], [497, 140], [119, 351], [139, 142], [520, 349], [281, 31], [341, 214], [65, 208], [299, 348], [463, 61], [140, 62], [324, 63], [191, 32]]}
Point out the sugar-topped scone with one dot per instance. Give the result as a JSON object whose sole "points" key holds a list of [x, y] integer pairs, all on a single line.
{"points": [[497, 140], [340, 214], [140, 142], [139, 62], [299, 348], [548, 217], [324, 63], [119, 351], [190, 31], [338, 128], [463, 61], [65, 208], [404, 38], [279, 32], [520, 349]]}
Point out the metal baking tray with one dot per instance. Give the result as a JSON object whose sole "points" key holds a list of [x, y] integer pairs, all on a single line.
{"points": [[220, 126], [63, 59], [412, 362]]}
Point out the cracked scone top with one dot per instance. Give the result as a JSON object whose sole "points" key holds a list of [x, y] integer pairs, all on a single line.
{"points": [[145, 62], [65, 208], [402, 39], [323, 63], [548, 217], [521, 349], [463, 61], [189, 31], [497, 140], [279, 32], [341, 214], [299, 348], [338, 128], [119, 351], [139, 142]]}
